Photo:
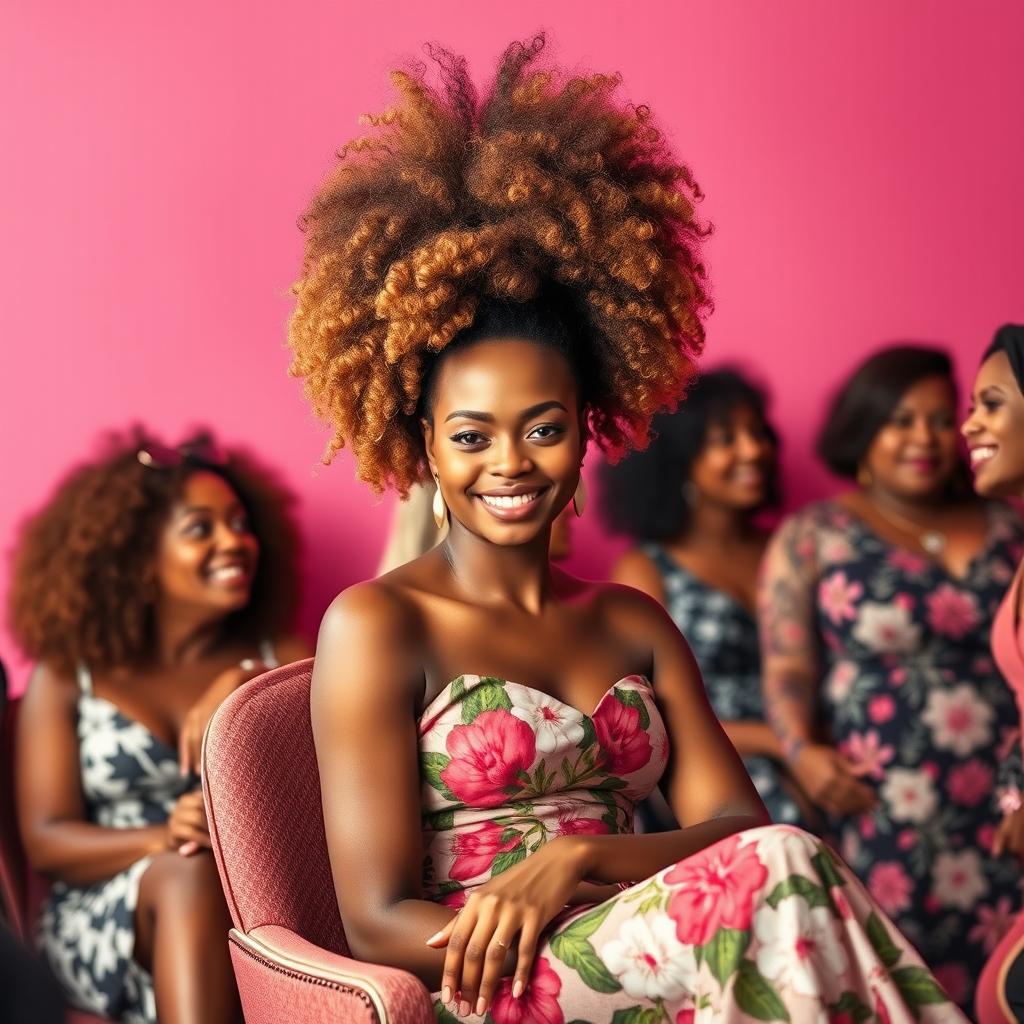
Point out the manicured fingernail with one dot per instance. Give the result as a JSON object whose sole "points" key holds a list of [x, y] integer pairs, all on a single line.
{"points": [[435, 937], [481, 1005], [464, 1008], [517, 988], [446, 994]]}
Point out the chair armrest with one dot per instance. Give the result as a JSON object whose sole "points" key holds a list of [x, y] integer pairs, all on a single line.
{"points": [[278, 970]]}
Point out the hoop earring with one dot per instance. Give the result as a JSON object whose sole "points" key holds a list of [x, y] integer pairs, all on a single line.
{"points": [[579, 498], [439, 508]]}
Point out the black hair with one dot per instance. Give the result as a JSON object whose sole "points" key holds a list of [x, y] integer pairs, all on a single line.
{"points": [[551, 320], [642, 496], [864, 403], [1010, 339]]}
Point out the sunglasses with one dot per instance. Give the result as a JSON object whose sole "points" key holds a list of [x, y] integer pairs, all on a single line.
{"points": [[202, 450]]}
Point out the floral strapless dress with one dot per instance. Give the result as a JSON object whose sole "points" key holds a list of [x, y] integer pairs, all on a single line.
{"points": [[766, 925]]}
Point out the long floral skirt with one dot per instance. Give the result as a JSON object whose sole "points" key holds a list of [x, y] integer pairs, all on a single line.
{"points": [[766, 925]]}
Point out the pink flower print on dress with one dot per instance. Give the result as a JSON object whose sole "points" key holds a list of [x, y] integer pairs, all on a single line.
{"points": [[907, 562], [487, 757], [959, 720], [537, 1005], [474, 852], [953, 978], [969, 783], [881, 709], [625, 747], [717, 889], [891, 886], [841, 680], [569, 825], [952, 612], [866, 753], [993, 923], [837, 596]]}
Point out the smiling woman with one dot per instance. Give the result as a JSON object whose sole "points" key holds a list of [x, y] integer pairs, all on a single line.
{"points": [[490, 285], [155, 582]]}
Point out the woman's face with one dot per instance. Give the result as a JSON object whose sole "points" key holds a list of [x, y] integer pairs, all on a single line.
{"points": [[914, 455], [207, 555], [995, 430], [735, 467], [505, 438]]}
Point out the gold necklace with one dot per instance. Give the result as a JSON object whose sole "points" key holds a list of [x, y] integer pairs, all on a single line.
{"points": [[933, 541]]}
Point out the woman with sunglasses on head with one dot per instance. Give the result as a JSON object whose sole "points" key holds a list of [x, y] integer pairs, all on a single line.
{"points": [[152, 584], [994, 431], [690, 502], [489, 285], [875, 609]]}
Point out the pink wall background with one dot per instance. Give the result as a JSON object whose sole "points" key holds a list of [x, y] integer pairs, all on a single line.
{"points": [[862, 165]]}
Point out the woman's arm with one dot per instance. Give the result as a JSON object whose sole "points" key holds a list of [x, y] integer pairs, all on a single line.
{"points": [[366, 685], [791, 670], [634, 569], [59, 841]]}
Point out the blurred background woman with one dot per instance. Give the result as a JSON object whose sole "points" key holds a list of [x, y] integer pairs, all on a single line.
{"points": [[994, 430], [875, 614], [690, 503], [154, 582]]}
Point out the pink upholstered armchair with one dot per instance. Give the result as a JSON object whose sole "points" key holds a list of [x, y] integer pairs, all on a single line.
{"points": [[263, 801]]}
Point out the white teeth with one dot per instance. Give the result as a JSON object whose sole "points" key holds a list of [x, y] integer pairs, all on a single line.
{"points": [[227, 573], [508, 500], [979, 455]]}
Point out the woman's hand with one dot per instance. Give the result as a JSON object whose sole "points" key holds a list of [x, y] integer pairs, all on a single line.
{"points": [[186, 830], [1009, 836], [190, 740], [827, 778], [517, 903]]}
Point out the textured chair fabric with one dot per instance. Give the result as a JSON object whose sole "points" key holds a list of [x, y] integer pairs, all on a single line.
{"points": [[263, 803]]}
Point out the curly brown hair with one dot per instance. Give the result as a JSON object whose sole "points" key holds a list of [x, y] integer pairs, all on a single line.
{"points": [[452, 202], [80, 590]]}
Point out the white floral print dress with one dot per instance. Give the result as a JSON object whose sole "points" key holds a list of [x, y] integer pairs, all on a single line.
{"points": [[767, 925]]}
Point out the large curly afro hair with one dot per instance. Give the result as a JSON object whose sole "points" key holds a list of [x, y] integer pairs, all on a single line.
{"points": [[82, 590], [452, 202]]}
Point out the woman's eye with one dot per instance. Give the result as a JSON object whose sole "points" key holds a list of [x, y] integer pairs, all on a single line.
{"points": [[546, 431], [990, 404], [240, 525], [468, 438], [197, 528]]}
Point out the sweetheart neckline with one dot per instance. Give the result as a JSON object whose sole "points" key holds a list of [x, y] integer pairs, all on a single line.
{"points": [[533, 689]]}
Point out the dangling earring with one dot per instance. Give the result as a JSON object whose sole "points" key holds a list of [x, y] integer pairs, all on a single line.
{"points": [[863, 476], [440, 509], [579, 499]]}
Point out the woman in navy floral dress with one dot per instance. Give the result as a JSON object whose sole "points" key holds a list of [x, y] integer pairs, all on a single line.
{"points": [[690, 501], [876, 610]]}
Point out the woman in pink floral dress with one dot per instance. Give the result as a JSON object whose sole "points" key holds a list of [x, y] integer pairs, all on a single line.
{"points": [[487, 287]]}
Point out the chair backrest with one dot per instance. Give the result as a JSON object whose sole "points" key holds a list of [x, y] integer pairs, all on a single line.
{"points": [[13, 868], [263, 803]]}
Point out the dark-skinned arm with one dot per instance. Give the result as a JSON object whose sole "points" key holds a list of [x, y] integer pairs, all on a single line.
{"points": [[792, 667], [634, 569], [59, 841], [367, 681]]}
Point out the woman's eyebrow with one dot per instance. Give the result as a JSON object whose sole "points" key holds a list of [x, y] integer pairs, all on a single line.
{"points": [[486, 417]]}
